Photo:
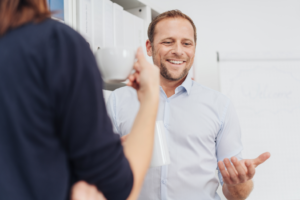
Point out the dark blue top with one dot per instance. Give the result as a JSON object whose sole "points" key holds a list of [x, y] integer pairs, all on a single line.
{"points": [[54, 129]]}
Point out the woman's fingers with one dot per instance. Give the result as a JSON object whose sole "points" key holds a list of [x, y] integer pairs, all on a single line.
{"points": [[84, 191], [133, 79], [137, 66], [79, 191], [141, 58], [123, 139]]}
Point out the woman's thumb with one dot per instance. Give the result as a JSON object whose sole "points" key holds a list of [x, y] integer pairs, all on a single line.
{"points": [[140, 57]]}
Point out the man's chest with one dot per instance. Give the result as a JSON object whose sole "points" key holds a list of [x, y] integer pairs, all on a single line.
{"points": [[187, 124]]}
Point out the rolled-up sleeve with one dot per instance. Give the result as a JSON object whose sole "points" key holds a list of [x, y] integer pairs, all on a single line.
{"points": [[229, 141]]}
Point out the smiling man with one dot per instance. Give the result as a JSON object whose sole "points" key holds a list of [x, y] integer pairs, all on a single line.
{"points": [[203, 132]]}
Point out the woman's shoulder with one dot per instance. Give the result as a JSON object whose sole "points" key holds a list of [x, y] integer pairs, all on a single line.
{"points": [[60, 31], [41, 34]]}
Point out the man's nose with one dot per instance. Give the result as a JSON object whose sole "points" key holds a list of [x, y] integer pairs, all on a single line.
{"points": [[177, 49]]}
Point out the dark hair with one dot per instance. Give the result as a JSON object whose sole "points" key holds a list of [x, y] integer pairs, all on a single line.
{"points": [[14, 13], [165, 15]]}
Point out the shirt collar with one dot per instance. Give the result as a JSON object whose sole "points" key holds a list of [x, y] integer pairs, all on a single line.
{"points": [[187, 84]]}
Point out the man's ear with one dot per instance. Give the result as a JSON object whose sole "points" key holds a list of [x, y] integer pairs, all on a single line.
{"points": [[149, 48]]}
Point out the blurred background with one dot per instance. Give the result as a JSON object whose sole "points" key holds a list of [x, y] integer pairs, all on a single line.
{"points": [[248, 50], [238, 26]]}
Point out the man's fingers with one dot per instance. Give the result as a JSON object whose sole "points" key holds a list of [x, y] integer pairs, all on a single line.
{"points": [[250, 168], [231, 170], [261, 159], [240, 169], [225, 175]]}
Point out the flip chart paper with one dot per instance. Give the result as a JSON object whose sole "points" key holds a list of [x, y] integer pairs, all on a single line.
{"points": [[266, 95]]}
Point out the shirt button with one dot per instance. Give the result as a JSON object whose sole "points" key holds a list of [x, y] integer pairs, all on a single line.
{"points": [[164, 182]]}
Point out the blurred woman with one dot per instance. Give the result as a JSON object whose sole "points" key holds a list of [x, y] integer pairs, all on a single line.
{"points": [[54, 129]]}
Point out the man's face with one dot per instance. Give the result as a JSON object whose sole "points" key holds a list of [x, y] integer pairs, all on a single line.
{"points": [[173, 48]]}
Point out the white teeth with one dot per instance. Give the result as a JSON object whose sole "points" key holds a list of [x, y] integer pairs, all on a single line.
{"points": [[175, 62]]}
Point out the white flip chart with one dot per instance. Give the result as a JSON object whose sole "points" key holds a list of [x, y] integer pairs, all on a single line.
{"points": [[266, 95]]}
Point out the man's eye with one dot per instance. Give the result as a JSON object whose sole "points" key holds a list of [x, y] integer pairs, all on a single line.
{"points": [[167, 42], [187, 44]]}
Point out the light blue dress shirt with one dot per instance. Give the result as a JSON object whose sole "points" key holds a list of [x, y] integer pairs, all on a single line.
{"points": [[202, 128]]}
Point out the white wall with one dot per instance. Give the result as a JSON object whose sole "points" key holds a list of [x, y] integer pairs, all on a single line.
{"points": [[236, 25]]}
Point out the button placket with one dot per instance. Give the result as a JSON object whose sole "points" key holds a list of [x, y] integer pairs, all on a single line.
{"points": [[164, 169]]}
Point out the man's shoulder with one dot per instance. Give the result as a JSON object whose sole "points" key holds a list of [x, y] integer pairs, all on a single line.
{"points": [[125, 95], [208, 93], [125, 91]]}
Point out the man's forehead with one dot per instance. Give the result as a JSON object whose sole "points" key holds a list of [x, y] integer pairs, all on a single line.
{"points": [[174, 28]]}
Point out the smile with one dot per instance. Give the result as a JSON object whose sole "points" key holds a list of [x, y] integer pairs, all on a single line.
{"points": [[176, 62]]}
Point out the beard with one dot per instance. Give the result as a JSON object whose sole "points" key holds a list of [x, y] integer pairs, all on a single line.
{"points": [[164, 72], [167, 75]]}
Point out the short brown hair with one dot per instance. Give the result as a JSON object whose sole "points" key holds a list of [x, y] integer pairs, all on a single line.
{"points": [[165, 15], [14, 13]]}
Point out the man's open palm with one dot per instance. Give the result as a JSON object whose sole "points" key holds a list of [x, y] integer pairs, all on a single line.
{"points": [[240, 171]]}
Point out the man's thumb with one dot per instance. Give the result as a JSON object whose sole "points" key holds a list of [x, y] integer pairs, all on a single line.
{"points": [[262, 158]]}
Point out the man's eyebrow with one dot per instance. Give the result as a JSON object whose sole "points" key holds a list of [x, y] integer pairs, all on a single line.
{"points": [[189, 40], [184, 39], [168, 38]]}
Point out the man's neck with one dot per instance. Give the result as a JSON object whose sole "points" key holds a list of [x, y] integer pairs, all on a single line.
{"points": [[170, 86]]}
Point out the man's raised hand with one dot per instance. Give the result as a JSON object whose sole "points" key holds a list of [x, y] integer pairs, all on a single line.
{"points": [[240, 171]]}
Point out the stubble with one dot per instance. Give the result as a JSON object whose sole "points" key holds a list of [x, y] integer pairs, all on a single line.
{"points": [[165, 72]]}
